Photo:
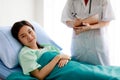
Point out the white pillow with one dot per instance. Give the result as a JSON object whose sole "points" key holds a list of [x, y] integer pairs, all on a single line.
{"points": [[9, 47]]}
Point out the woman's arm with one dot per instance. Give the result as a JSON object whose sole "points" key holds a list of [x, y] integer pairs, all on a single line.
{"points": [[42, 73], [61, 59]]}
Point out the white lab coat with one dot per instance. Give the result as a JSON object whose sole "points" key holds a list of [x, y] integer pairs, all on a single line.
{"points": [[90, 46]]}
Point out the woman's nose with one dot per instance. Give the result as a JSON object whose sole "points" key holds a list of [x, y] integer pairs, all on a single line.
{"points": [[29, 37]]}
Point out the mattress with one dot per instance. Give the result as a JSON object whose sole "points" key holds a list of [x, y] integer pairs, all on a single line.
{"points": [[4, 71]]}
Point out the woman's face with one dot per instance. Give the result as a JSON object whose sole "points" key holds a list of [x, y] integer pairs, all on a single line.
{"points": [[27, 36]]}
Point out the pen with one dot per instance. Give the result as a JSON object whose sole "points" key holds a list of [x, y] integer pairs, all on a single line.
{"points": [[74, 15]]}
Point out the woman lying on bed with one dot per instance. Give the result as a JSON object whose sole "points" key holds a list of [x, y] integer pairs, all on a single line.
{"points": [[43, 61]]}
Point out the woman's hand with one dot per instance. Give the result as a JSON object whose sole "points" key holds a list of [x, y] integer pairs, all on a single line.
{"points": [[64, 56], [62, 62]]}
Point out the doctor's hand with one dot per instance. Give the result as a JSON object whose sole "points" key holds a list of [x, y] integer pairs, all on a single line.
{"points": [[84, 27], [77, 22], [74, 23]]}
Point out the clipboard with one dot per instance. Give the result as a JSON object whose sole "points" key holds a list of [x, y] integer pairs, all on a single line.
{"points": [[91, 20]]}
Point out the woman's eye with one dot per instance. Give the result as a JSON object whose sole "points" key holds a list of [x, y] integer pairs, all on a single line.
{"points": [[29, 31], [22, 36]]}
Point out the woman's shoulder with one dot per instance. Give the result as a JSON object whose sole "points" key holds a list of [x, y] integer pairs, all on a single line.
{"points": [[27, 53], [25, 50]]}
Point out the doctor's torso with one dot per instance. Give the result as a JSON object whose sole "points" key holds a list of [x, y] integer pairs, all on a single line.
{"points": [[83, 11]]}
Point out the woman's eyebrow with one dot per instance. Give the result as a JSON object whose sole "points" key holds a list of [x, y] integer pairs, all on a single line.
{"points": [[29, 29], [22, 34]]}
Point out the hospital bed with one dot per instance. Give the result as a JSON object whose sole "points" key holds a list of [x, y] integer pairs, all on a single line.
{"points": [[9, 49]]}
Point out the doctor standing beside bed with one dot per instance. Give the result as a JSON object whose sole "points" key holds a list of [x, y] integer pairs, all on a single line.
{"points": [[89, 20], [45, 62]]}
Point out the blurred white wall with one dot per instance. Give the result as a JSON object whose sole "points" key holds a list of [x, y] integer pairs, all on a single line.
{"points": [[15, 10], [39, 11], [58, 31]]}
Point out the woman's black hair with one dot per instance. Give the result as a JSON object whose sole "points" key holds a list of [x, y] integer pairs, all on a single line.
{"points": [[16, 28]]}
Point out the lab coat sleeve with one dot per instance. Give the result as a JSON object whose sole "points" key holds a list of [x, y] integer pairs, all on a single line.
{"points": [[107, 11], [67, 11]]}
